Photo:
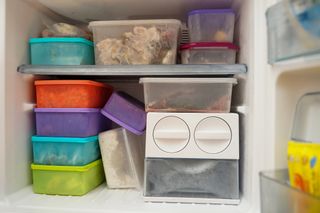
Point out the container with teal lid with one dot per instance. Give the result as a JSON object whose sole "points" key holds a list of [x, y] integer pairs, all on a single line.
{"points": [[61, 51]]}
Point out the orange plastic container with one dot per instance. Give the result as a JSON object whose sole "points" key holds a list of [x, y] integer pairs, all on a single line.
{"points": [[71, 94]]}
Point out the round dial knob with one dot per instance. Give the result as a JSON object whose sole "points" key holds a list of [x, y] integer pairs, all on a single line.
{"points": [[212, 135], [171, 134]]}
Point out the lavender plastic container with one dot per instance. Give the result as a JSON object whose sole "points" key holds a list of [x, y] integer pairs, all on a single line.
{"points": [[126, 111], [70, 122]]}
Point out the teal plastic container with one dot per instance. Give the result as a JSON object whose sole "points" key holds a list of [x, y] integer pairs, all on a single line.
{"points": [[61, 51], [65, 151]]}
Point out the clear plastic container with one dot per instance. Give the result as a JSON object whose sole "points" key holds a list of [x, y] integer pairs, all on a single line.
{"points": [[306, 121], [286, 37], [208, 53], [70, 122], [126, 111], [61, 51], [67, 180], [122, 155], [136, 41], [278, 196], [65, 151], [211, 25], [71, 94], [187, 94], [192, 178]]}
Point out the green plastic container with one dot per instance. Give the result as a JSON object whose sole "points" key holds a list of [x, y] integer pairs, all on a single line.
{"points": [[67, 180]]}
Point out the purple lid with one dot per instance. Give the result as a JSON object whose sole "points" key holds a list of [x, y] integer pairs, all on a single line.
{"points": [[206, 11], [226, 45], [66, 109]]}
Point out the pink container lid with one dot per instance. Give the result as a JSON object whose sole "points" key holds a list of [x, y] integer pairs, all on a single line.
{"points": [[225, 45]]}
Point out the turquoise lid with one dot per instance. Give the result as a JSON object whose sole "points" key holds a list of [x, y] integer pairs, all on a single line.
{"points": [[61, 40], [64, 139]]}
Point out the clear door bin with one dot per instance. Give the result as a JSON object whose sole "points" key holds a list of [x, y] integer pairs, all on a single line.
{"points": [[187, 94], [277, 196], [122, 155], [67, 180], [306, 123], [136, 41], [208, 53], [191, 178], [211, 25]]}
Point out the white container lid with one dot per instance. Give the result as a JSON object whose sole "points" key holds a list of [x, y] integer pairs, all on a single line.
{"points": [[188, 80], [134, 22]]}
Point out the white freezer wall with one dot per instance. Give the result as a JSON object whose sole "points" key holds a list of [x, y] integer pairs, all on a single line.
{"points": [[23, 21]]}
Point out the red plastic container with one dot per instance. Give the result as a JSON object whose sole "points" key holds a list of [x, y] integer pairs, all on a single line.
{"points": [[71, 94]]}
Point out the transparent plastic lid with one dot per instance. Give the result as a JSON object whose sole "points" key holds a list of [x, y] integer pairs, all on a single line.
{"points": [[188, 80], [133, 22]]}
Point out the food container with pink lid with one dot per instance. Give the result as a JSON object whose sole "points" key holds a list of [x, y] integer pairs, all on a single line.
{"points": [[70, 122], [211, 25], [209, 53], [126, 111]]}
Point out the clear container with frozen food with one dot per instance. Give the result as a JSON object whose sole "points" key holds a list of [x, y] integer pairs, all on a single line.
{"points": [[188, 94], [123, 155], [209, 53], [136, 41], [212, 25], [67, 180]]}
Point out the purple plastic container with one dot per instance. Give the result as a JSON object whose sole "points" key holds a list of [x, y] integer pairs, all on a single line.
{"points": [[70, 122], [126, 111]]}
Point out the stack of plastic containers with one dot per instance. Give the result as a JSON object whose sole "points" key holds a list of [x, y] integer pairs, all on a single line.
{"points": [[123, 148], [192, 141], [66, 152], [211, 36]]}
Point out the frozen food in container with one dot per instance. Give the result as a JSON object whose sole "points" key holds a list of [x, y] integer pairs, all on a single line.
{"points": [[136, 41], [65, 151], [126, 111], [61, 51], [70, 122], [215, 25], [187, 94], [208, 53], [122, 154], [67, 180], [71, 93]]}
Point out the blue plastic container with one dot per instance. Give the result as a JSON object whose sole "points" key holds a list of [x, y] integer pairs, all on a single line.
{"points": [[61, 51], [65, 151]]}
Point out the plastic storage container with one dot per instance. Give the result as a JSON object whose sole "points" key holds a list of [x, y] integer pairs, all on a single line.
{"points": [[278, 196], [192, 178], [67, 180], [71, 94], [187, 94], [61, 51], [70, 122], [122, 155], [286, 36], [65, 151], [136, 41], [126, 111], [211, 25], [306, 122], [208, 53]]}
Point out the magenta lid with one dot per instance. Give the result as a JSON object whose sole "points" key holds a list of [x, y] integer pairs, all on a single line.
{"points": [[226, 45], [74, 110]]}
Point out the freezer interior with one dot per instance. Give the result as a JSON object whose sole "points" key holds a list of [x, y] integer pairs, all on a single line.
{"points": [[24, 19]]}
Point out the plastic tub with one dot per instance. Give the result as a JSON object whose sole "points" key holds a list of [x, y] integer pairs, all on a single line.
{"points": [[70, 122], [126, 111], [61, 51], [136, 41], [71, 94], [67, 180], [187, 94], [209, 53], [65, 151], [211, 25], [122, 155]]}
